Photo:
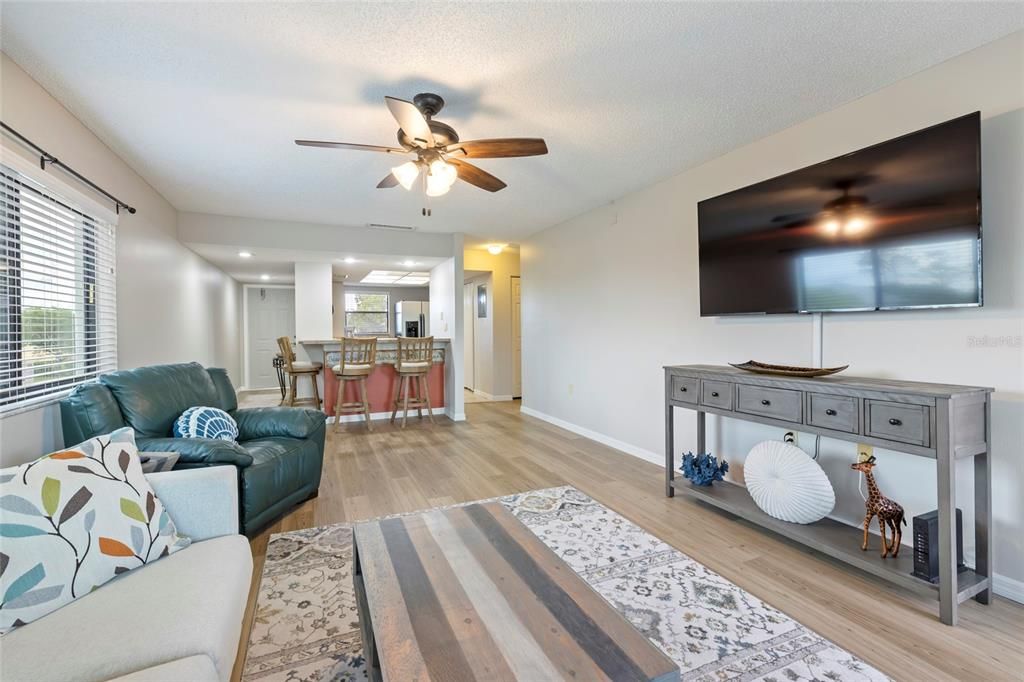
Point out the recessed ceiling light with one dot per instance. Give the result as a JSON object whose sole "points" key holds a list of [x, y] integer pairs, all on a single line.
{"points": [[409, 263], [495, 249], [244, 254], [264, 277], [350, 260]]}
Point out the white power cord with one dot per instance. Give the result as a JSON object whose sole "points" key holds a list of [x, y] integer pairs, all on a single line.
{"points": [[818, 353]]}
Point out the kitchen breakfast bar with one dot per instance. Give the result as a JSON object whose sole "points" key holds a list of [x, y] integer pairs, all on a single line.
{"points": [[382, 380]]}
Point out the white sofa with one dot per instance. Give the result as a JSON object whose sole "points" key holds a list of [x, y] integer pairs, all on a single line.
{"points": [[177, 619]]}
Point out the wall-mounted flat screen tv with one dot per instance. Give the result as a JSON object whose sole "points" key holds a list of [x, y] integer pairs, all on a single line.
{"points": [[893, 226]]}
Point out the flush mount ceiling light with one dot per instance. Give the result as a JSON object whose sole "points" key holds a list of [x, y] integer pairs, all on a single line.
{"points": [[244, 254], [398, 277], [264, 277], [350, 260], [409, 263], [496, 249], [438, 149]]}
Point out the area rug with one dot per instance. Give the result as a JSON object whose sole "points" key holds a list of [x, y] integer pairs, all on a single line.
{"points": [[306, 627]]}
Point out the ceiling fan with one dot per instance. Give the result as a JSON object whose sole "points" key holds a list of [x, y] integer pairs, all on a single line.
{"points": [[439, 152]]}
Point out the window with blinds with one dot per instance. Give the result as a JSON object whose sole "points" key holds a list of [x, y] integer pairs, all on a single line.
{"points": [[58, 313]]}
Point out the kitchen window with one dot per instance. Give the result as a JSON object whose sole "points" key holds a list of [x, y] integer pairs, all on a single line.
{"points": [[58, 308], [367, 313]]}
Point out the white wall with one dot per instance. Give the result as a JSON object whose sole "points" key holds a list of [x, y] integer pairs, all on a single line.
{"points": [[172, 305], [446, 321], [269, 236], [611, 296]]}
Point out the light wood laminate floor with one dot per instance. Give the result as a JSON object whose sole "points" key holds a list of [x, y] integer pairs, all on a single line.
{"points": [[499, 451]]}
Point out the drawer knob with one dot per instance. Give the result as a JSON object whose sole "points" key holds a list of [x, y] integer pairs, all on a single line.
{"points": [[830, 412], [682, 389], [714, 394], [895, 422], [766, 402]]}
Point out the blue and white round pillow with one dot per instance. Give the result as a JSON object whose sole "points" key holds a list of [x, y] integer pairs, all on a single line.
{"points": [[205, 422]]}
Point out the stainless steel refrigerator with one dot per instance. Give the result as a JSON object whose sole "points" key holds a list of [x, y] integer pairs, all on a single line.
{"points": [[412, 318]]}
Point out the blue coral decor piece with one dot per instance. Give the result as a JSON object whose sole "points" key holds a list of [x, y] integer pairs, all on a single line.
{"points": [[703, 469]]}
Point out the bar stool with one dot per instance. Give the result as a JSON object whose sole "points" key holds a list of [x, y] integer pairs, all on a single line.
{"points": [[358, 357], [413, 360], [295, 369]]}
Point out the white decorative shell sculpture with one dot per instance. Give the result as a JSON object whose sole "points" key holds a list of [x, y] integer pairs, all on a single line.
{"points": [[787, 484]]}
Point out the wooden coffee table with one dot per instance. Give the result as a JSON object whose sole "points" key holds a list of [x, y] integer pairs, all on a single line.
{"points": [[469, 593]]}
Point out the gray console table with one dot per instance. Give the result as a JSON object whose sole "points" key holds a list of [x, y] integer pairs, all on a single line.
{"points": [[938, 421]]}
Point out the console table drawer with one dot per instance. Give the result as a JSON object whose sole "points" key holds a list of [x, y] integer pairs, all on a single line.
{"points": [[716, 394], [833, 412], [684, 389], [778, 403], [899, 422]]}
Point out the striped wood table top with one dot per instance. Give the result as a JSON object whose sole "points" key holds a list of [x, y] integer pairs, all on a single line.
{"points": [[469, 593]]}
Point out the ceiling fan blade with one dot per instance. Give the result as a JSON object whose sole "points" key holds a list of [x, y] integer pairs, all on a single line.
{"points": [[389, 181], [499, 148], [477, 176], [347, 145], [411, 120]]}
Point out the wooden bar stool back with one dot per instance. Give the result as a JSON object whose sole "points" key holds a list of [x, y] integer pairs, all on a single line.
{"points": [[295, 369], [358, 357], [413, 360]]}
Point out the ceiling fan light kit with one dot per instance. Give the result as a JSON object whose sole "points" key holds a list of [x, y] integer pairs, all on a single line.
{"points": [[438, 149]]}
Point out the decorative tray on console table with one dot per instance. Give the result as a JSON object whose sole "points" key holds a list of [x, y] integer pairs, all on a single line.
{"points": [[786, 370]]}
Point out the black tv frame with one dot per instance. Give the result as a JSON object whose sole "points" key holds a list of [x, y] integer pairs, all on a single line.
{"points": [[981, 276]]}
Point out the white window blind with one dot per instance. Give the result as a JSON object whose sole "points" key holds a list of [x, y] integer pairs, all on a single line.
{"points": [[58, 308]]}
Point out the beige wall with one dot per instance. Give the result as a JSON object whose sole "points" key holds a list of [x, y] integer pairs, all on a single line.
{"points": [[612, 295], [172, 305], [494, 340]]}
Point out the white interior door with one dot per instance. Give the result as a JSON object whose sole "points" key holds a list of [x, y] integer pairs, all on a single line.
{"points": [[469, 315], [271, 313], [517, 340]]}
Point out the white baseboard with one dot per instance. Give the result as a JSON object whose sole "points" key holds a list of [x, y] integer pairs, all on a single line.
{"points": [[1001, 584], [1008, 587], [345, 418], [493, 398], [629, 449]]}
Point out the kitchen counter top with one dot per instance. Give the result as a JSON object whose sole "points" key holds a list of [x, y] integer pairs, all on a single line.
{"points": [[380, 340]]}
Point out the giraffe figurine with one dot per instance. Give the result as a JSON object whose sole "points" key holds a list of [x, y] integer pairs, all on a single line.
{"points": [[879, 505]]}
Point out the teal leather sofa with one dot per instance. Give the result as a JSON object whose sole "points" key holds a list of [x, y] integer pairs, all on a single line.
{"points": [[279, 453]]}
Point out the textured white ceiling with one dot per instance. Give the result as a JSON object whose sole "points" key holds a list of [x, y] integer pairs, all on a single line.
{"points": [[204, 100]]}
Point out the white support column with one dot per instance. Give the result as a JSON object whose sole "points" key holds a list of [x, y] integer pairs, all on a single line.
{"points": [[313, 301], [314, 319]]}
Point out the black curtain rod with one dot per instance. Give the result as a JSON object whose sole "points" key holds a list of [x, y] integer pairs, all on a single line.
{"points": [[47, 158]]}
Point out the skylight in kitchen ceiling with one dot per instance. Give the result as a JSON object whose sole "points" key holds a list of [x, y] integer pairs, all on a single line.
{"points": [[396, 278]]}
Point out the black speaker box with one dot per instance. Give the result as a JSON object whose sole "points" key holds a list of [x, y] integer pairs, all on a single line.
{"points": [[926, 545]]}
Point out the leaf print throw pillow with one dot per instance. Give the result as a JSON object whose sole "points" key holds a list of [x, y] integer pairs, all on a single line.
{"points": [[73, 520]]}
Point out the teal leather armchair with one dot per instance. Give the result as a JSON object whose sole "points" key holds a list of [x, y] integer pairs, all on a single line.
{"points": [[279, 453]]}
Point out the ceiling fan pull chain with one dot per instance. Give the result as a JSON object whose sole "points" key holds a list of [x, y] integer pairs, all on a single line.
{"points": [[427, 212]]}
